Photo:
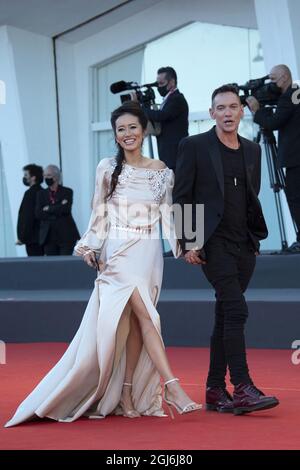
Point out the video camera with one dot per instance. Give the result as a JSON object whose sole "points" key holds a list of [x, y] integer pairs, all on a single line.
{"points": [[267, 94], [145, 97]]}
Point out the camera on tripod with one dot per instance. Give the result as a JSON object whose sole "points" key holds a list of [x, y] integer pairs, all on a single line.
{"points": [[145, 96], [144, 93], [267, 94]]}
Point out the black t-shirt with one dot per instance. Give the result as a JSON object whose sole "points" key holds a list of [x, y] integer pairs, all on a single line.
{"points": [[233, 225]]}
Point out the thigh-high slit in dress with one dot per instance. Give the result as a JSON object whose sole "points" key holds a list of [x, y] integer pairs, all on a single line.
{"points": [[125, 232]]}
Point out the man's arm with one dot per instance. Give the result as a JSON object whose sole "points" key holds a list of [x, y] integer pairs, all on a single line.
{"points": [[40, 204], [63, 207], [186, 170], [52, 211], [170, 111], [276, 120], [26, 217]]}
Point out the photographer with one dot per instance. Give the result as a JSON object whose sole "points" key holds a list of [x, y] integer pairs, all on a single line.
{"points": [[286, 119], [173, 116]]}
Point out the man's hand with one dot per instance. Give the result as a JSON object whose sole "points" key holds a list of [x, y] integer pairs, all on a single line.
{"points": [[133, 96], [252, 103], [64, 201], [45, 208], [18, 242], [193, 257]]}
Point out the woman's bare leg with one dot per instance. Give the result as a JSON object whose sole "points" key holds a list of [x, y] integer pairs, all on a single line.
{"points": [[134, 346], [156, 350]]}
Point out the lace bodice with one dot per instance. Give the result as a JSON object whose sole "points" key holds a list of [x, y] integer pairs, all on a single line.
{"points": [[141, 198]]}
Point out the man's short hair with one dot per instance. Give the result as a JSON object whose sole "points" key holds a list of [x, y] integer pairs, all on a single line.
{"points": [[35, 170], [55, 171], [228, 88], [170, 73]]}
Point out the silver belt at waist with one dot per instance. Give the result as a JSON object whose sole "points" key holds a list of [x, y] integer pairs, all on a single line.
{"points": [[133, 228]]}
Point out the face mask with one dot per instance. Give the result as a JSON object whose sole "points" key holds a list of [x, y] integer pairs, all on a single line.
{"points": [[25, 181], [162, 90], [49, 181], [274, 88]]}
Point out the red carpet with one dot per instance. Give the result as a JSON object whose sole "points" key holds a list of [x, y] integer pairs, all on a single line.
{"points": [[272, 371]]}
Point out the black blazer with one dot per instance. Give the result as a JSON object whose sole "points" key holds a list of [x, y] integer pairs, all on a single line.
{"points": [[28, 225], [173, 118], [287, 120], [58, 217], [200, 180]]}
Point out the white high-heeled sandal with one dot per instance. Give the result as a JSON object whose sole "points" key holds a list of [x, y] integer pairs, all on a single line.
{"points": [[129, 413], [188, 408]]}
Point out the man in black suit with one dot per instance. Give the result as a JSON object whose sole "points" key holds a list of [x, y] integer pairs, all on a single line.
{"points": [[287, 120], [58, 231], [172, 116], [28, 225], [222, 170]]}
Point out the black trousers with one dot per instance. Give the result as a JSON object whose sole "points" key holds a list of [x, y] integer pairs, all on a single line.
{"points": [[52, 248], [293, 195], [34, 249], [229, 269], [55, 247]]}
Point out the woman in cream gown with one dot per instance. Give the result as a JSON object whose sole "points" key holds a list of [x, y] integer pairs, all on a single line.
{"points": [[114, 363]]}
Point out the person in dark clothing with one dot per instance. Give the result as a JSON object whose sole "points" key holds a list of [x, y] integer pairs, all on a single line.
{"points": [[28, 225], [172, 116], [58, 231], [286, 119], [222, 170]]}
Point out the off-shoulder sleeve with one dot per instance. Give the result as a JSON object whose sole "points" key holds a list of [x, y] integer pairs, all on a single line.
{"points": [[97, 230], [167, 215]]}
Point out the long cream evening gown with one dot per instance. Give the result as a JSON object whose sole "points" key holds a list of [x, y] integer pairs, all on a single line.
{"points": [[125, 232]]}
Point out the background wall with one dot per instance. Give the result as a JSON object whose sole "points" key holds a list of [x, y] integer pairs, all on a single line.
{"points": [[28, 120]]}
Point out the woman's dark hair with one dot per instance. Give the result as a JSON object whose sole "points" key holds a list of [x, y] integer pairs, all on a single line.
{"points": [[129, 107]]}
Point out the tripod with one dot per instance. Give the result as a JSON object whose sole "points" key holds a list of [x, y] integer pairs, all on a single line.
{"points": [[277, 179], [151, 152], [153, 130]]}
